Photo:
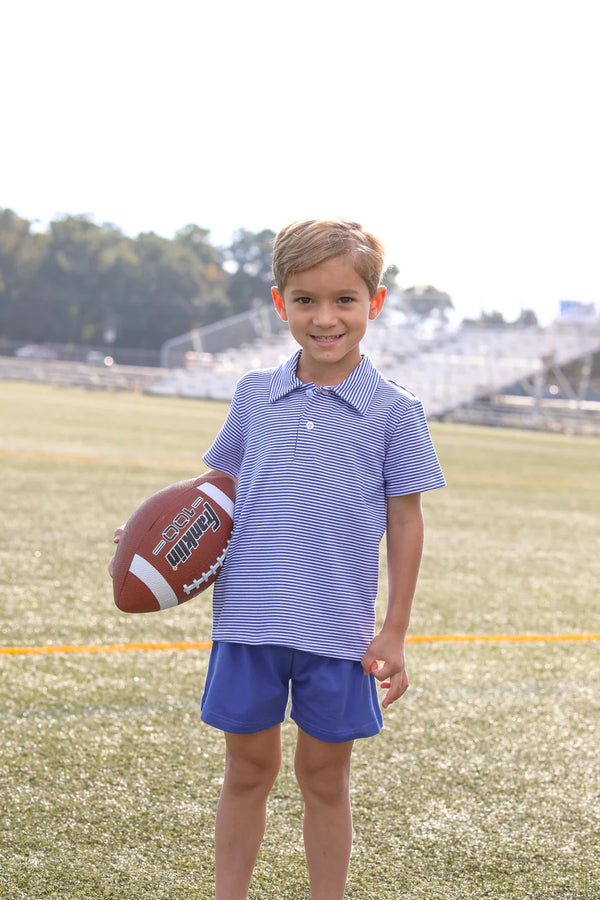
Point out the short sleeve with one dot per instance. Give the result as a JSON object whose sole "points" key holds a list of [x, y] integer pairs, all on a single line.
{"points": [[411, 464], [227, 451]]}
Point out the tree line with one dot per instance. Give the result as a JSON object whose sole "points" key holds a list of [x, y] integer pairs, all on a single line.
{"points": [[78, 282], [83, 283]]}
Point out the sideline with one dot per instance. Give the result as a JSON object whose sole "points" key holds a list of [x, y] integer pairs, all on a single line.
{"points": [[205, 645]]}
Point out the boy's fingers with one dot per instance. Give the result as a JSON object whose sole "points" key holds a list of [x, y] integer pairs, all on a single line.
{"points": [[367, 663], [116, 539], [396, 687], [371, 667], [379, 668], [381, 671], [386, 673]]}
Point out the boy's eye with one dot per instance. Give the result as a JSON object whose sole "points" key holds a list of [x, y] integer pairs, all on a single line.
{"points": [[305, 301]]}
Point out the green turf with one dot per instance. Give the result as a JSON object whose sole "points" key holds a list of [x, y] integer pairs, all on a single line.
{"points": [[486, 779]]}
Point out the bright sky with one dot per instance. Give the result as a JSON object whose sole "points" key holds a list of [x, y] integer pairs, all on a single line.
{"points": [[463, 132]]}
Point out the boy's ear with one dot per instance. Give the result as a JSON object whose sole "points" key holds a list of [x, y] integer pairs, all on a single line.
{"points": [[377, 303], [279, 304]]}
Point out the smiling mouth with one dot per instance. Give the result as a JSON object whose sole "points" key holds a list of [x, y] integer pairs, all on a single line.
{"points": [[326, 339]]}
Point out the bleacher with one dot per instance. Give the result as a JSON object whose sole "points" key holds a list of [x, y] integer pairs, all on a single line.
{"points": [[69, 373], [447, 369], [484, 375]]}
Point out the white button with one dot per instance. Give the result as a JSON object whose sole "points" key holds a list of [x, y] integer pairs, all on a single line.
{"points": [[310, 426]]}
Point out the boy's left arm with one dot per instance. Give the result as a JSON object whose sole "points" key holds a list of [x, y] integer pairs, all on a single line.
{"points": [[404, 550]]}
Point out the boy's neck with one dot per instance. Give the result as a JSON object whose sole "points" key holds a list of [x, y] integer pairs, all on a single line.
{"points": [[326, 375]]}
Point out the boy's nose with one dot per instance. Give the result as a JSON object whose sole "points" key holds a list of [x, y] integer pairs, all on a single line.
{"points": [[324, 315]]}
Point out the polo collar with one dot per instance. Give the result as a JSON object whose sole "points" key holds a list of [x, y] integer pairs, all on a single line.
{"points": [[357, 390]]}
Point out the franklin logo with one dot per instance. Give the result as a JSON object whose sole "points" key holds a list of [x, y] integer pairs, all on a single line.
{"points": [[190, 539]]}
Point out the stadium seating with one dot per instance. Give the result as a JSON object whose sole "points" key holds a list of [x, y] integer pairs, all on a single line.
{"points": [[446, 368]]}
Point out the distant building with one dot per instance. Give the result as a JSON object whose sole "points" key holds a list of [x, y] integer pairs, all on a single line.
{"points": [[575, 311]]}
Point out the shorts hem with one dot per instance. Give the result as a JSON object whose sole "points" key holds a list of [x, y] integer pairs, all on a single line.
{"points": [[338, 737], [233, 727]]}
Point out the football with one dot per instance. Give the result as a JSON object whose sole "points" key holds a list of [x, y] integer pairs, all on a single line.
{"points": [[174, 545]]}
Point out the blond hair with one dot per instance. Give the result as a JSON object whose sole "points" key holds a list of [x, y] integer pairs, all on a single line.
{"points": [[302, 245]]}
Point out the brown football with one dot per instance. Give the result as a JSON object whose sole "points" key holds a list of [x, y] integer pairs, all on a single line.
{"points": [[174, 545]]}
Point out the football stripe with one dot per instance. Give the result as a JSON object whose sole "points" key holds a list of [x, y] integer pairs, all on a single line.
{"points": [[154, 581], [216, 494]]}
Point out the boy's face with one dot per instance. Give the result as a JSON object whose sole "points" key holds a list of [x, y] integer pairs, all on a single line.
{"points": [[327, 309]]}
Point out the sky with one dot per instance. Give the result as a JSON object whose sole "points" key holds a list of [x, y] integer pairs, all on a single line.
{"points": [[465, 134]]}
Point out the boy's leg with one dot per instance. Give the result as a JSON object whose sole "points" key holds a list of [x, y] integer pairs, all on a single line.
{"points": [[252, 762], [323, 773]]}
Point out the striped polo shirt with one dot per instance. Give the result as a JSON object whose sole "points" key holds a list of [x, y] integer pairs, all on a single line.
{"points": [[315, 466]]}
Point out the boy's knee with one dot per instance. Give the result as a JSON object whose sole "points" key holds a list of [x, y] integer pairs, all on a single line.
{"points": [[250, 771], [324, 782]]}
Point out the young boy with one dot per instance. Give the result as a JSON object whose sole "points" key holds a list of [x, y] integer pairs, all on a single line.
{"points": [[328, 456]]}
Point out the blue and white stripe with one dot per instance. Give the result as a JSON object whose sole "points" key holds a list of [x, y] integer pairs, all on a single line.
{"points": [[315, 466]]}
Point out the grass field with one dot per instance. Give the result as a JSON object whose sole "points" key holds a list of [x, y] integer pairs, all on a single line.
{"points": [[485, 782]]}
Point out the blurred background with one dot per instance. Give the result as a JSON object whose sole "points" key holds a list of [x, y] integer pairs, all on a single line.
{"points": [[151, 151]]}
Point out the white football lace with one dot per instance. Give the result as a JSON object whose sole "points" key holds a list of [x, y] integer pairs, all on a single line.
{"points": [[198, 582]]}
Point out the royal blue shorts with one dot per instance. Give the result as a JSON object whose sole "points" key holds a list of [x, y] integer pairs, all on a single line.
{"points": [[247, 690]]}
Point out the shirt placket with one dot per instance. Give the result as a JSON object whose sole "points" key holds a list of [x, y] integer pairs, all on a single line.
{"points": [[311, 423]]}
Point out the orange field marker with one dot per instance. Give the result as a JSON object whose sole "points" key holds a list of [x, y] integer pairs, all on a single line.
{"points": [[205, 645], [499, 638], [105, 648]]}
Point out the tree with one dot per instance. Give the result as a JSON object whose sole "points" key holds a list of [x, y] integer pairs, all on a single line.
{"points": [[249, 262], [175, 285], [492, 319], [526, 319], [21, 252], [77, 282], [420, 302], [495, 319], [389, 277], [86, 283], [212, 302]]}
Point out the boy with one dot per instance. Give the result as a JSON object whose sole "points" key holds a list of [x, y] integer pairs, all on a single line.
{"points": [[328, 456]]}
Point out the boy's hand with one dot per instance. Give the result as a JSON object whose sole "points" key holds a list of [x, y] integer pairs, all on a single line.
{"points": [[392, 674], [116, 539]]}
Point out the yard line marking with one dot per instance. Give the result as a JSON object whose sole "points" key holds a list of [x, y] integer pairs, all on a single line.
{"points": [[206, 645], [106, 648], [499, 638]]}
